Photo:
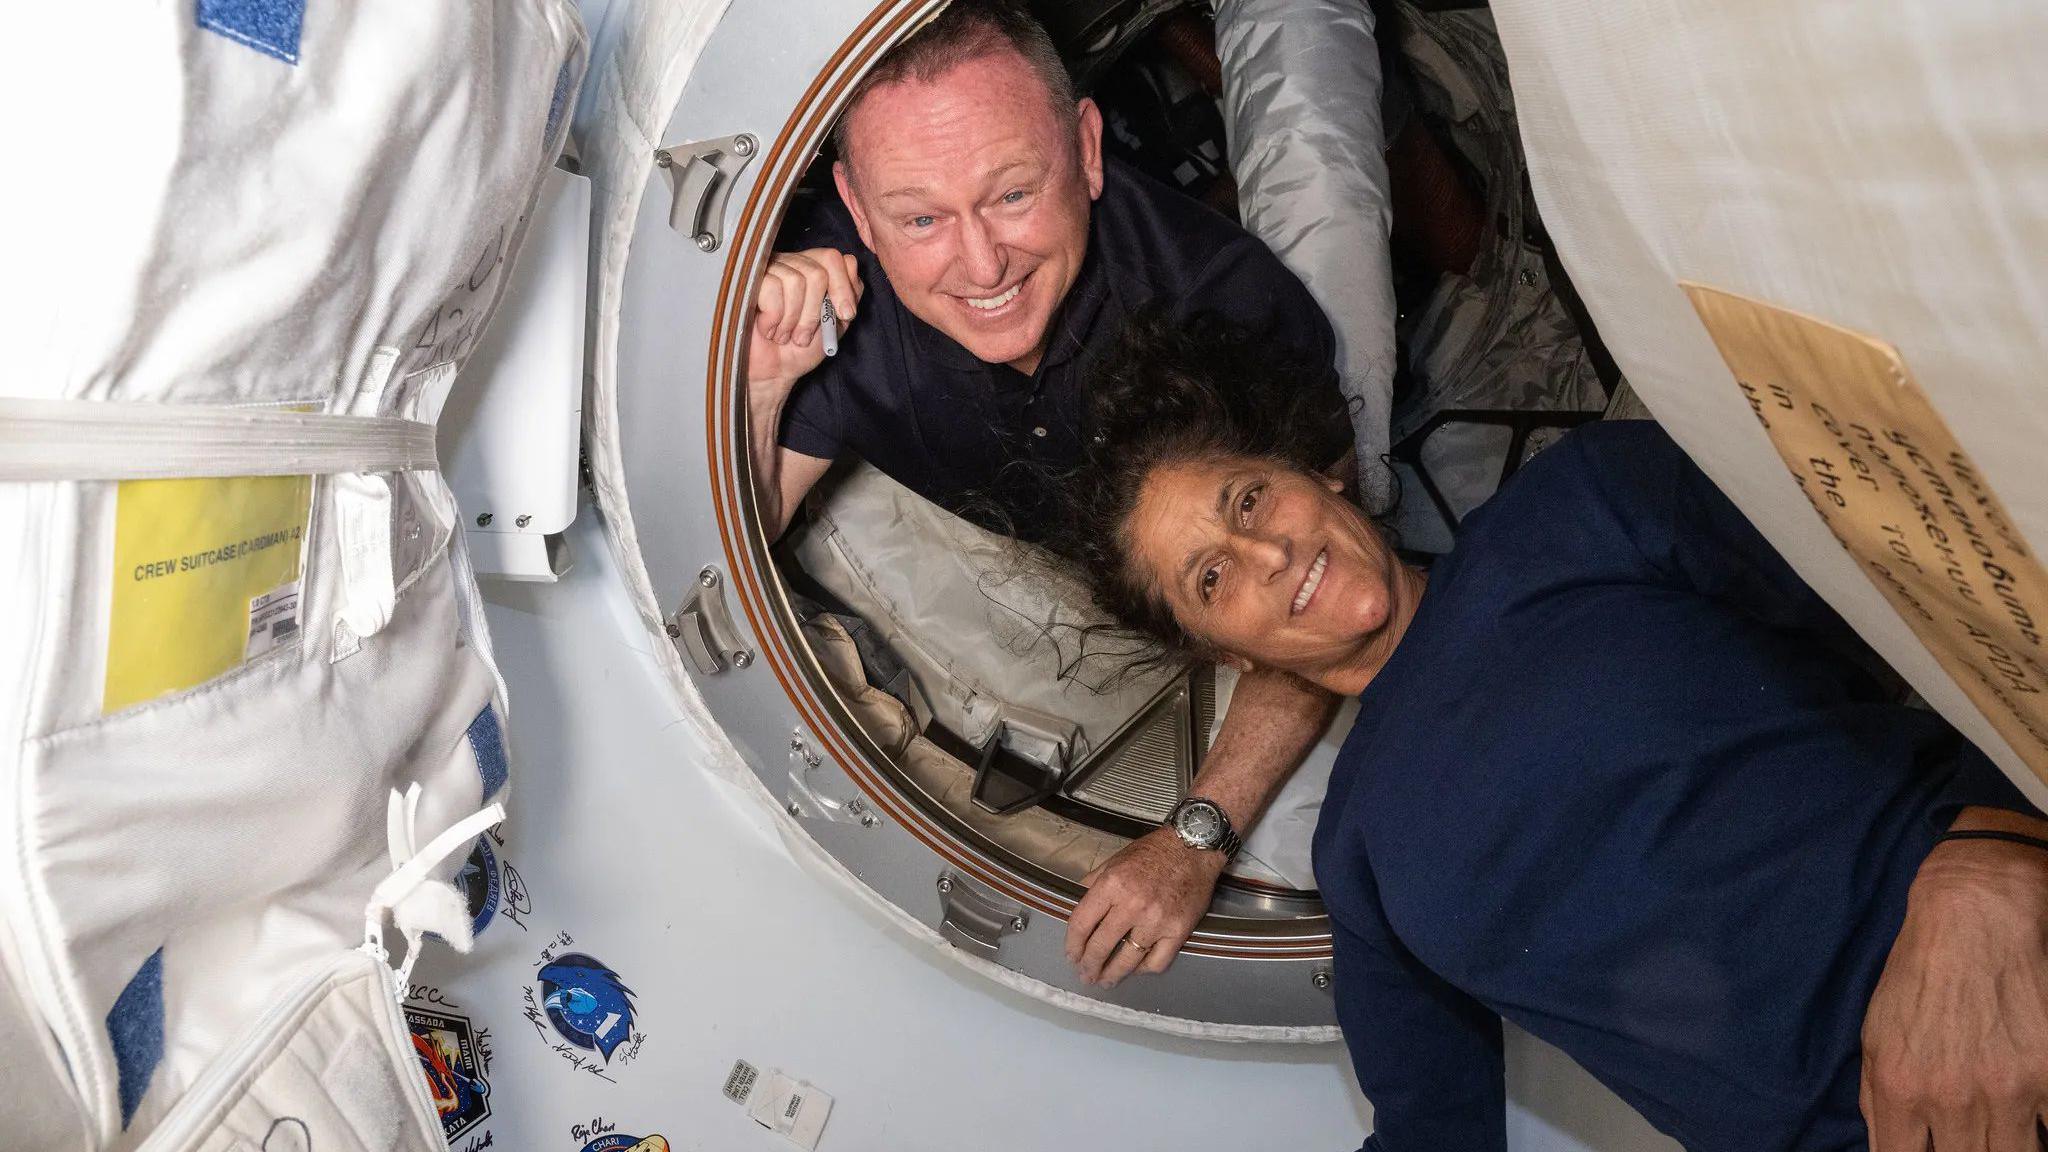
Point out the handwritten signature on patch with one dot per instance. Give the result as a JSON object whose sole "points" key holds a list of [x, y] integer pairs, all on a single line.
{"points": [[514, 903], [428, 994], [581, 1062]]}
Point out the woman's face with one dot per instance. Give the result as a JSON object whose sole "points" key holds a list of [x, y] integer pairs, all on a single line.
{"points": [[1268, 564]]}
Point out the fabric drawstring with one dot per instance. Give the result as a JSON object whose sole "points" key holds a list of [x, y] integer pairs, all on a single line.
{"points": [[415, 901]]}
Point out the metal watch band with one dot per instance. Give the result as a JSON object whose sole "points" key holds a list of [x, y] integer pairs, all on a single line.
{"points": [[1231, 840]]}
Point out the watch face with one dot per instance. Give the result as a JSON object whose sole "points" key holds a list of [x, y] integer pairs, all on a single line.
{"points": [[1200, 824]]}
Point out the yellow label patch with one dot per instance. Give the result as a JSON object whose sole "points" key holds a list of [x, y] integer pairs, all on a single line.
{"points": [[206, 575], [1881, 467]]}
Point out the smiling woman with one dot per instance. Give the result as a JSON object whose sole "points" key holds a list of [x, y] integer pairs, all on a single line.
{"points": [[1208, 520], [1266, 564], [1613, 738]]}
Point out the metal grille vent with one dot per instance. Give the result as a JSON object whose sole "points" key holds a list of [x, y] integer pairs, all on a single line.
{"points": [[1145, 770]]}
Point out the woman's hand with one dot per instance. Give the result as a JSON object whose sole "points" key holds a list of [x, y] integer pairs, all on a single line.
{"points": [[1955, 1041], [1142, 904]]}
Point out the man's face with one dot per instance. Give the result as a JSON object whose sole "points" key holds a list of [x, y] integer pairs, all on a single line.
{"points": [[974, 195]]}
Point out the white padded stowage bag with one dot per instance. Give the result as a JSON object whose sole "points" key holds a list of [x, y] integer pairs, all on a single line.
{"points": [[1301, 103], [1874, 168], [255, 243]]}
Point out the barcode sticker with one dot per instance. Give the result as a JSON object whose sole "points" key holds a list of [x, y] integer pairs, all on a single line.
{"points": [[273, 620]]}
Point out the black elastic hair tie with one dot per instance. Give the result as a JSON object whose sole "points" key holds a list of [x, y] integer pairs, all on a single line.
{"points": [[1993, 834]]}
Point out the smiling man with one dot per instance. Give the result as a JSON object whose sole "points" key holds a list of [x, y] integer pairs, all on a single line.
{"points": [[981, 250]]}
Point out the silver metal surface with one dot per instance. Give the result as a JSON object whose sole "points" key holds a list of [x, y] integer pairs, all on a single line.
{"points": [[701, 177], [974, 919], [559, 558], [818, 790], [1145, 769]]}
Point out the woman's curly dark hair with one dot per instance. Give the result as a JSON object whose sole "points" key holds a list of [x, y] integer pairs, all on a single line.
{"points": [[1167, 392]]}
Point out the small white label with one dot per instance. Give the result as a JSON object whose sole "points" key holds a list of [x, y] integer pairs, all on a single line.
{"points": [[739, 1083], [273, 620], [794, 1110]]}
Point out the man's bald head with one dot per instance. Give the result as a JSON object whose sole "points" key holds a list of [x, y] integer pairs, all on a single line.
{"points": [[966, 30]]}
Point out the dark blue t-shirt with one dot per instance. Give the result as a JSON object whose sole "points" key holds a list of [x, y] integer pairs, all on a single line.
{"points": [[1629, 783], [972, 436]]}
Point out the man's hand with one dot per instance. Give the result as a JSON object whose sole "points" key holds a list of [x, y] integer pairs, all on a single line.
{"points": [[784, 344], [1141, 905], [1955, 1041]]}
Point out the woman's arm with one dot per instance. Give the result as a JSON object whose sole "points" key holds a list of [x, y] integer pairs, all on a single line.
{"points": [[1955, 1041]]}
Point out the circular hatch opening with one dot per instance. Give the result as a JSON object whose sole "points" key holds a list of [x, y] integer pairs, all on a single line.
{"points": [[1004, 754]]}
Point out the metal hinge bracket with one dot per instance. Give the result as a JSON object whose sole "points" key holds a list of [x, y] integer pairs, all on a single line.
{"points": [[974, 920], [702, 628], [700, 180]]}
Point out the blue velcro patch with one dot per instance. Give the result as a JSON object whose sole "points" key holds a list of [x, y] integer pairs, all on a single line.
{"points": [[488, 743], [269, 26], [556, 103], [135, 1025]]}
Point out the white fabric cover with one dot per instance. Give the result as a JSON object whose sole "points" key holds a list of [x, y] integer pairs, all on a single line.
{"points": [[225, 215], [1301, 108], [331, 1068], [1876, 165], [984, 623]]}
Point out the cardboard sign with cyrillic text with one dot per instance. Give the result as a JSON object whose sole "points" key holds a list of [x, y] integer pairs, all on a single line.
{"points": [[1894, 486]]}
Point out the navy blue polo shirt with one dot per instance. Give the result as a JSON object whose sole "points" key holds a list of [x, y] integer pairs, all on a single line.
{"points": [[1629, 783], [972, 436]]}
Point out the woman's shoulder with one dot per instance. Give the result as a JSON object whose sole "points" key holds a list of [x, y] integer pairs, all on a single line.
{"points": [[1605, 461], [1584, 500]]}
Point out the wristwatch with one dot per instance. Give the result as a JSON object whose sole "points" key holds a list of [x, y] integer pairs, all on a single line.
{"points": [[1201, 825]]}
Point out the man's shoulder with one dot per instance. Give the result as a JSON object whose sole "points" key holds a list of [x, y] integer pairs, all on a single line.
{"points": [[1163, 241], [818, 219]]}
